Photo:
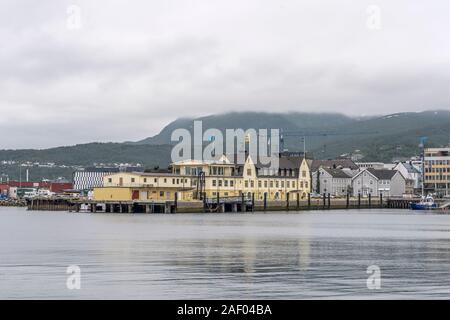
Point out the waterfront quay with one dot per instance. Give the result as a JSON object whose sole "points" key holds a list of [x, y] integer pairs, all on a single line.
{"points": [[216, 205]]}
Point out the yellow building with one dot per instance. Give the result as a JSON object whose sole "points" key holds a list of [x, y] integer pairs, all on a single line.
{"points": [[191, 178], [142, 186]]}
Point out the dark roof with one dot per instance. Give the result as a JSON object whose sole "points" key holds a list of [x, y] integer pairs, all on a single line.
{"points": [[337, 163], [290, 162], [112, 169], [382, 174], [337, 173], [410, 168], [286, 161]]}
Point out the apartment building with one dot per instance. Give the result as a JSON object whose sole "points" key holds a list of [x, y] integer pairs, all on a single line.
{"points": [[437, 170]]}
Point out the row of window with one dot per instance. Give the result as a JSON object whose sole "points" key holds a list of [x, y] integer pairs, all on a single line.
{"points": [[437, 170], [380, 182], [175, 181], [437, 162], [438, 178], [221, 183]]}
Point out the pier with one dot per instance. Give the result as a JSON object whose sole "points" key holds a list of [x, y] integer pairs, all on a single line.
{"points": [[215, 205]]}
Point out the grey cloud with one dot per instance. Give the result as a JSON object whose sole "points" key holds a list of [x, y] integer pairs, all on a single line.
{"points": [[132, 68]]}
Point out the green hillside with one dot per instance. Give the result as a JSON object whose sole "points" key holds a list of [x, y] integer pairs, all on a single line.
{"points": [[381, 138]]}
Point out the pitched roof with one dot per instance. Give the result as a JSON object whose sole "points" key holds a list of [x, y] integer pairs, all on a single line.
{"points": [[410, 168], [337, 163], [337, 173], [382, 174]]}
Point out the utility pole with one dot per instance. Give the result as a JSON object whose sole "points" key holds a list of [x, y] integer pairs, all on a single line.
{"points": [[304, 146], [422, 149]]}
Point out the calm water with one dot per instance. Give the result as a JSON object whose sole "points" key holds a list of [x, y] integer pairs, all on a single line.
{"points": [[224, 256]]}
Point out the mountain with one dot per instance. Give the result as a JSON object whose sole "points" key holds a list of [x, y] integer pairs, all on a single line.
{"points": [[382, 138], [259, 120]]}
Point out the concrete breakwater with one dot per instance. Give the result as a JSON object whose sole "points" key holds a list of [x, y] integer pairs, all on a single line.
{"points": [[237, 204]]}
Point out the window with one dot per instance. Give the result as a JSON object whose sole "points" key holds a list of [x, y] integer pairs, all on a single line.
{"points": [[259, 184], [161, 193], [173, 181], [252, 184], [271, 184], [156, 180], [282, 184], [249, 172], [246, 183], [265, 183], [110, 180], [231, 183], [214, 183], [304, 174], [220, 183], [145, 180], [133, 180], [225, 183]]}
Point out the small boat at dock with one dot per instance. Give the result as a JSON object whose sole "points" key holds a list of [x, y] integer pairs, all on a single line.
{"points": [[427, 203]]}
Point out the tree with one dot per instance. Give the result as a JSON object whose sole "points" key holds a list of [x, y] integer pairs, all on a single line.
{"points": [[318, 181]]}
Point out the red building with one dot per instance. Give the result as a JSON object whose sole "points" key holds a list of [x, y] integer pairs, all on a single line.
{"points": [[60, 187], [56, 187]]}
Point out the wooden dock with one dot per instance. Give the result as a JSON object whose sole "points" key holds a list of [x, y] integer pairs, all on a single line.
{"points": [[217, 204]]}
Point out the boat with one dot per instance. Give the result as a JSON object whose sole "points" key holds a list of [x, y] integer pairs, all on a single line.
{"points": [[427, 203]]}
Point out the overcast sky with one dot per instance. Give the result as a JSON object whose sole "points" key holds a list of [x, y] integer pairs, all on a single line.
{"points": [[80, 71]]}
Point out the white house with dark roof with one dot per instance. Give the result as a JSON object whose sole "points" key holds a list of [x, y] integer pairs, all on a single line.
{"points": [[371, 181], [409, 171], [336, 182]]}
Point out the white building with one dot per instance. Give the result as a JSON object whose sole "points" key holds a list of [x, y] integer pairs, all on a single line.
{"points": [[372, 181], [410, 172], [337, 182]]}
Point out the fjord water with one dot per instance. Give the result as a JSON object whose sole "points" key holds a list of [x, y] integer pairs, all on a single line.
{"points": [[225, 256]]}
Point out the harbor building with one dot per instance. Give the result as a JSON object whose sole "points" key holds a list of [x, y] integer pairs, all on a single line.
{"points": [[437, 170], [410, 172], [194, 179], [371, 181], [90, 178], [143, 186], [337, 182]]}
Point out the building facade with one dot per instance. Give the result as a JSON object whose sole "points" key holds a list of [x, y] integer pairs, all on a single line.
{"points": [[336, 182], [390, 183], [437, 170], [191, 179], [410, 172], [91, 178]]}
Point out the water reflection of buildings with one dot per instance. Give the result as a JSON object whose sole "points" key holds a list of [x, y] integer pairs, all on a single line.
{"points": [[249, 256]]}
